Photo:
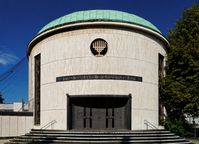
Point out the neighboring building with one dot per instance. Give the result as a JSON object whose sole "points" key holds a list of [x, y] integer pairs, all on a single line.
{"points": [[14, 107], [96, 70], [15, 119]]}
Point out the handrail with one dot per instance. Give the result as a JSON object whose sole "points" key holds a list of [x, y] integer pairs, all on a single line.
{"points": [[48, 124], [148, 124]]}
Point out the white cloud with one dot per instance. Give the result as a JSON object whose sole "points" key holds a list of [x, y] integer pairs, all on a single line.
{"points": [[7, 58]]}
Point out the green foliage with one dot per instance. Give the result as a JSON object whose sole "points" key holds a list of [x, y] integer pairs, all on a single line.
{"points": [[175, 126], [1, 98], [180, 88]]}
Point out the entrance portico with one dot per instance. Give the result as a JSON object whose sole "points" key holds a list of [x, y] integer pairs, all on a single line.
{"points": [[99, 112]]}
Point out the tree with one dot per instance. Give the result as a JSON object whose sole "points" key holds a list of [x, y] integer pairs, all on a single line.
{"points": [[1, 98], [180, 87]]}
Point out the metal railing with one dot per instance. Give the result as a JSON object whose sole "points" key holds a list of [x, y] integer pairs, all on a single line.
{"points": [[51, 123], [149, 125]]}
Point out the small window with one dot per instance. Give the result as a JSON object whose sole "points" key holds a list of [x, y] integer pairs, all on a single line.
{"points": [[160, 75], [161, 66], [99, 47]]}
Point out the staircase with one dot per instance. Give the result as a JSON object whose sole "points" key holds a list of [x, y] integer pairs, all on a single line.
{"points": [[99, 137]]}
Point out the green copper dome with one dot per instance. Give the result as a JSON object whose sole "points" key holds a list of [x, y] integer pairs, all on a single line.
{"points": [[99, 15]]}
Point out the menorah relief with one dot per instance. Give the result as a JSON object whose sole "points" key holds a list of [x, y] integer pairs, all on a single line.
{"points": [[99, 47]]}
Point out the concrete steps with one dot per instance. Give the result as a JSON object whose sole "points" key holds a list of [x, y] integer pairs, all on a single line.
{"points": [[99, 137]]}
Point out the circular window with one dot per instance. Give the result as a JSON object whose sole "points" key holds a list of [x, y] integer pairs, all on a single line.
{"points": [[99, 47]]}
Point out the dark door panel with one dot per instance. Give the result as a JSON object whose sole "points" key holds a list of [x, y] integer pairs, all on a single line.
{"points": [[99, 113], [98, 118]]}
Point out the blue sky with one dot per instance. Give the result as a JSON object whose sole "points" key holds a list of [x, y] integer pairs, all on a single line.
{"points": [[21, 20]]}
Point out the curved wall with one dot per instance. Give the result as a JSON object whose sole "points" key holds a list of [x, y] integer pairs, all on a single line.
{"points": [[129, 53]]}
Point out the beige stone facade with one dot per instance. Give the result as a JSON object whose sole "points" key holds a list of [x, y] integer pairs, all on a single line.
{"points": [[132, 50]]}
